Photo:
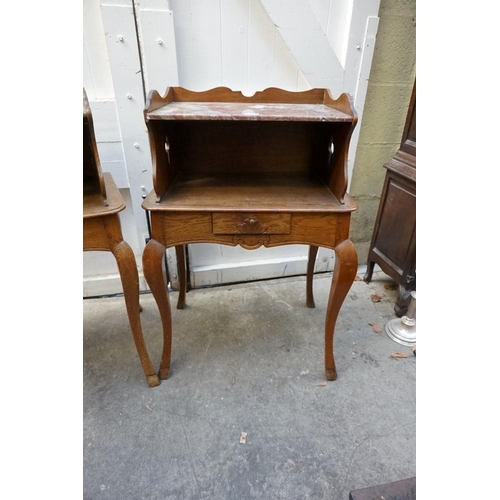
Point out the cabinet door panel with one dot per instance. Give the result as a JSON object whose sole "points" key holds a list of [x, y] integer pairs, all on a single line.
{"points": [[397, 223]]}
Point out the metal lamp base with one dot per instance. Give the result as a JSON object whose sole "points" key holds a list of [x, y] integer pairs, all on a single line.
{"points": [[401, 333], [404, 330]]}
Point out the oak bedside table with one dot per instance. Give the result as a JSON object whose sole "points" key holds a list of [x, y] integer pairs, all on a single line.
{"points": [[265, 170], [102, 231]]}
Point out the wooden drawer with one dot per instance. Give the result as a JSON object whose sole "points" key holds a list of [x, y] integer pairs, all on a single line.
{"points": [[250, 223], [324, 230]]}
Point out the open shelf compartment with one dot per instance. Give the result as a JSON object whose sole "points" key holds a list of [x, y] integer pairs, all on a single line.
{"points": [[220, 147]]}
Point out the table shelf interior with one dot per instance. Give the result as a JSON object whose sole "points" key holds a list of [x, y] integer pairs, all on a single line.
{"points": [[230, 192], [270, 146]]}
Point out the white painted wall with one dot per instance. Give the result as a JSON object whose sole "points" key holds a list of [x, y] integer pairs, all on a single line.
{"points": [[98, 83], [246, 45], [100, 272]]}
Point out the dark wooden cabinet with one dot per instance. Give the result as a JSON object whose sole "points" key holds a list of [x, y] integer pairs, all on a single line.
{"points": [[393, 245]]}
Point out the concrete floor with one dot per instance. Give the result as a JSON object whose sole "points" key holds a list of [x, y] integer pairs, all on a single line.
{"points": [[248, 358]]}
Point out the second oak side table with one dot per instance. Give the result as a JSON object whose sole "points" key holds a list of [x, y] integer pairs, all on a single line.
{"points": [[270, 169], [102, 231]]}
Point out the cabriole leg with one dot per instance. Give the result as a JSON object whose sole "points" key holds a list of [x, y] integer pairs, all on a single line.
{"points": [[181, 271], [130, 282], [311, 261], [346, 264], [153, 266]]}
